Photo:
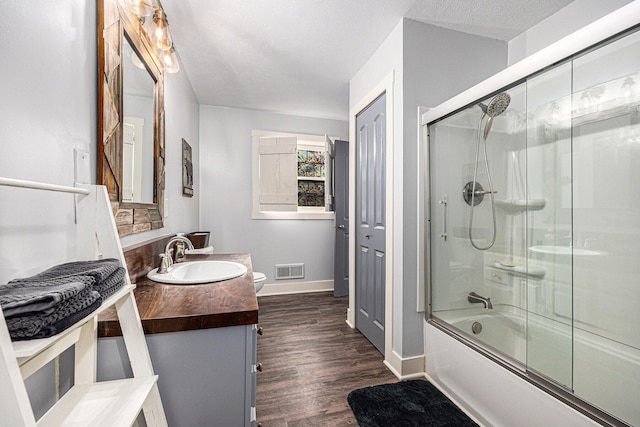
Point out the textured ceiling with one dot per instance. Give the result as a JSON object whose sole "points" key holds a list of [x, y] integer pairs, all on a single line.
{"points": [[297, 56]]}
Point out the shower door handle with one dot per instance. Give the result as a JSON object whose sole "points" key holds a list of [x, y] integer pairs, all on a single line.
{"points": [[444, 217]]}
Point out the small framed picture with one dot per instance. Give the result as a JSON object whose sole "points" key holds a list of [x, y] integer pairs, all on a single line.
{"points": [[187, 170]]}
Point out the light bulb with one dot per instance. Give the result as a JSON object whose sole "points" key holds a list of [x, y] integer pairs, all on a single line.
{"points": [[160, 34], [170, 61], [555, 111], [629, 87]]}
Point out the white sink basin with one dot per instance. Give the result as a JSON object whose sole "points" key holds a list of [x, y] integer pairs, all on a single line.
{"points": [[191, 273], [565, 250]]}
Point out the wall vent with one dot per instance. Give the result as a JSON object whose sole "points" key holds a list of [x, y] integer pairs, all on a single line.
{"points": [[289, 271]]}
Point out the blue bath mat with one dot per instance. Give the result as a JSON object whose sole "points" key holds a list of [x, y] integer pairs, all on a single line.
{"points": [[414, 403]]}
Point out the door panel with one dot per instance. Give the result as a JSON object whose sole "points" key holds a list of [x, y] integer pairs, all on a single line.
{"points": [[370, 231], [341, 189], [363, 176], [379, 127]]}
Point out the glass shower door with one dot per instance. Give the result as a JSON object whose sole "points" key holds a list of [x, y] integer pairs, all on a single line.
{"points": [[606, 227], [557, 292], [549, 172], [478, 251]]}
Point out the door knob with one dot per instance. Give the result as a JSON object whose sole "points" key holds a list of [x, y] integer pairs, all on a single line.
{"points": [[260, 330], [259, 367], [341, 226]]}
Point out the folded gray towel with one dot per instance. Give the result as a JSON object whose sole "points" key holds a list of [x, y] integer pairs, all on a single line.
{"points": [[111, 284], [49, 302], [98, 269], [40, 297], [29, 326], [65, 323]]}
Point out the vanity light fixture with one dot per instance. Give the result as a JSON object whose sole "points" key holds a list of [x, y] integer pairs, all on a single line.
{"points": [[141, 8], [157, 30]]}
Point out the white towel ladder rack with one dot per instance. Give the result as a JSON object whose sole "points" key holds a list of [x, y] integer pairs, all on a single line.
{"points": [[88, 403]]}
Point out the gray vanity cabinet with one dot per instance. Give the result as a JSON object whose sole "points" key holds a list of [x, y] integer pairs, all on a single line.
{"points": [[207, 377]]}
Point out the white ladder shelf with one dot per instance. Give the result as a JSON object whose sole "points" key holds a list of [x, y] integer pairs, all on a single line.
{"points": [[88, 403]]}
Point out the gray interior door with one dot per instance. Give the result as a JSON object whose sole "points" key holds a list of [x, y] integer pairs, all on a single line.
{"points": [[341, 190], [370, 227]]}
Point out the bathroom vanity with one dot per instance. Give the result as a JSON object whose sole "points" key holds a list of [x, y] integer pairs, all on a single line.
{"points": [[202, 342]]}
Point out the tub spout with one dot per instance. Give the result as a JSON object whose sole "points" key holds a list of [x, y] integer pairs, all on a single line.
{"points": [[474, 298]]}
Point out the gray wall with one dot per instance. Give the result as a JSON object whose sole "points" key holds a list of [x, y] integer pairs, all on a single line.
{"points": [[431, 65], [48, 82], [225, 173], [49, 107], [438, 64], [386, 59]]}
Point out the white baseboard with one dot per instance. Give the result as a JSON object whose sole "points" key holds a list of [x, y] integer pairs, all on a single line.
{"points": [[405, 369], [349, 320], [296, 288]]}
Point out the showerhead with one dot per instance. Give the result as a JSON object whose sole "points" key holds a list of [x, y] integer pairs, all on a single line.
{"points": [[497, 106]]}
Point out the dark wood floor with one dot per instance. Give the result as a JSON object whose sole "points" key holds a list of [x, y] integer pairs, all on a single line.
{"points": [[311, 360]]}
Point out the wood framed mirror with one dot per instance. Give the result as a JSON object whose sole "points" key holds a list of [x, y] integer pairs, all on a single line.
{"points": [[130, 120]]}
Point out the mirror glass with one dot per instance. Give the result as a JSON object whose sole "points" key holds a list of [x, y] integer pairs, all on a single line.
{"points": [[138, 128]]}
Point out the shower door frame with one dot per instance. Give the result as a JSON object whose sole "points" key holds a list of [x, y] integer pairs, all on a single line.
{"points": [[608, 28]]}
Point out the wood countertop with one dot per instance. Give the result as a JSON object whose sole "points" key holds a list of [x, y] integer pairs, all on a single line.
{"points": [[173, 308]]}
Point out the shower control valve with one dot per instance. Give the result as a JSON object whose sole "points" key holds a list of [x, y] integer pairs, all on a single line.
{"points": [[474, 196]]}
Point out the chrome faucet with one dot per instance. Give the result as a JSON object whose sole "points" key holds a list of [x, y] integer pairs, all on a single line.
{"points": [[474, 298], [166, 260]]}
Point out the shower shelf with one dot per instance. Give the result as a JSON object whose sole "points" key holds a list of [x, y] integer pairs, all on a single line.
{"points": [[521, 205], [537, 272]]}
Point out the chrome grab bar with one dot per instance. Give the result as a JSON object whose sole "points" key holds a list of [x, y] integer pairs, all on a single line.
{"points": [[444, 216]]}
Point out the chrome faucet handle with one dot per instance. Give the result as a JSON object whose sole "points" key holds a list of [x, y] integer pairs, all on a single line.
{"points": [[163, 268], [169, 257]]}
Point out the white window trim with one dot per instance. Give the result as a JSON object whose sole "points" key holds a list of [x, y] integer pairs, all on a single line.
{"points": [[303, 212]]}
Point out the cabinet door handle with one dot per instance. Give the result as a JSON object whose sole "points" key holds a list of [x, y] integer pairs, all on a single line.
{"points": [[259, 367], [260, 330], [341, 226]]}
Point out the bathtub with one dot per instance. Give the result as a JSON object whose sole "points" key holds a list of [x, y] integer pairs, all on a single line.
{"points": [[503, 328], [601, 371]]}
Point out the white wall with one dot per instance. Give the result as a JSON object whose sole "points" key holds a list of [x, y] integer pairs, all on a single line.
{"points": [[562, 23], [225, 211]]}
